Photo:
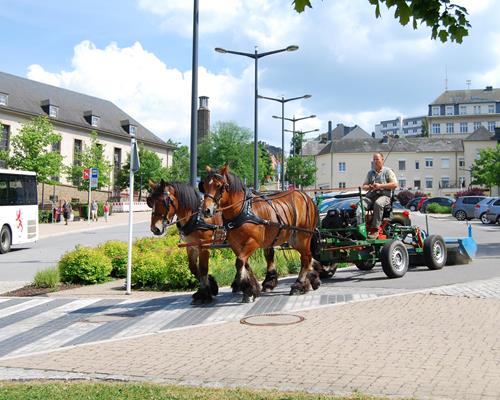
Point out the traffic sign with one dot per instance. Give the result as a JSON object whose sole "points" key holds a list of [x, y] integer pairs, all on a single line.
{"points": [[94, 176], [86, 174]]}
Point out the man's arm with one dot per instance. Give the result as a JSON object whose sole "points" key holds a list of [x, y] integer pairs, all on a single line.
{"points": [[392, 182]]}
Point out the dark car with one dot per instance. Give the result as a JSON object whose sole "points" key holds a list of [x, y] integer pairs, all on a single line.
{"points": [[463, 208], [413, 203], [442, 201]]}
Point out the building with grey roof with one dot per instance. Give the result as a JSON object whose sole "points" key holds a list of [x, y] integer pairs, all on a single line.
{"points": [[74, 116]]}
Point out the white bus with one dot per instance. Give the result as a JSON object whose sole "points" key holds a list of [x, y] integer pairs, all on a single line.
{"points": [[18, 208]]}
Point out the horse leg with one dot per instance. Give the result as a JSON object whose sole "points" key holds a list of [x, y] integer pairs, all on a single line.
{"points": [[308, 276], [247, 281], [208, 280], [202, 295], [271, 279]]}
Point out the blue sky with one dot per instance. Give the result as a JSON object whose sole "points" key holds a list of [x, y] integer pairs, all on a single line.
{"points": [[137, 53]]}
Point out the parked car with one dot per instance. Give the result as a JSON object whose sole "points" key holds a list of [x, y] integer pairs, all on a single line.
{"points": [[481, 207], [463, 208], [442, 201], [421, 202], [493, 212], [413, 203]]}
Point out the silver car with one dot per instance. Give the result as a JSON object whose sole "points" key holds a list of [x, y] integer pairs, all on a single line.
{"points": [[463, 208], [493, 212], [481, 207]]}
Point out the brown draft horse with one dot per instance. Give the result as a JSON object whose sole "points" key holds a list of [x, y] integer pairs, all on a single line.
{"points": [[257, 221], [182, 200]]}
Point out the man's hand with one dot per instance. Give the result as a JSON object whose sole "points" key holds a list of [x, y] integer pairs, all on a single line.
{"points": [[375, 186]]}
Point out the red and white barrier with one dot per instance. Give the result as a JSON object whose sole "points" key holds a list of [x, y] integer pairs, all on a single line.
{"points": [[123, 206]]}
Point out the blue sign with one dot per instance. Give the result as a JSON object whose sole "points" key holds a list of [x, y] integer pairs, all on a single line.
{"points": [[94, 176]]}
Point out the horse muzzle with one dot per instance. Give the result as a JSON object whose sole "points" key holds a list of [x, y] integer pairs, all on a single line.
{"points": [[156, 231]]}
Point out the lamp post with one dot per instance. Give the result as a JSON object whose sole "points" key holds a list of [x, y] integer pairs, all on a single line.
{"points": [[302, 133], [294, 120], [283, 101], [256, 55]]}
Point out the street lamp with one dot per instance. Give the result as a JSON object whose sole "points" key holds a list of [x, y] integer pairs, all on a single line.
{"points": [[294, 120], [256, 55], [283, 101], [301, 133]]}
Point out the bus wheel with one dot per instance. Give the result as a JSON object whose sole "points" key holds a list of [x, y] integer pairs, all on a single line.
{"points": [[5, 239]]}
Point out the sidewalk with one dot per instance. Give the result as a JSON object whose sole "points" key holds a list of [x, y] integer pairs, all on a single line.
{"points": [[117, 219]]}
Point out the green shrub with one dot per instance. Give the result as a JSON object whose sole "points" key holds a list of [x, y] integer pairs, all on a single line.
{"points": [[84, 265], [178, 274], [435, 208], [44, 216], [148, 271], [47, 278], [117, 252]]}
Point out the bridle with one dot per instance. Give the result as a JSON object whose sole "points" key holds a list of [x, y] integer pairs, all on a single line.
{"points": [[219, 192], [167, 203]]}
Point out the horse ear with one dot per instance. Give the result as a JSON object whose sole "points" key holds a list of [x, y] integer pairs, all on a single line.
{"points": [[152, 185], [163, 183], [208, 169], [200, 187], [225, 170]]}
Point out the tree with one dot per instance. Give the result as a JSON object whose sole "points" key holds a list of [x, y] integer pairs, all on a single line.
{"points": [[486, 169], [265, 164], [448, 20], [425, 128], [150, 169], [31, 150], [91, 157], [301, 170], [180, 169], [296, 143]]}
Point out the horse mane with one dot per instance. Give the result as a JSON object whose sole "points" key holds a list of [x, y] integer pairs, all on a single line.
{"points": [[186, 195], [235, 183]]}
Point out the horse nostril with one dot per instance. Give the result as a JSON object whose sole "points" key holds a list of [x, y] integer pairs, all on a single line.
{"points": [[156, 231], [206, 212]]}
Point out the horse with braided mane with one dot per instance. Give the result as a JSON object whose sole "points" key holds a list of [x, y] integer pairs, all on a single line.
{"points": [[254, 220], [182, 200]]}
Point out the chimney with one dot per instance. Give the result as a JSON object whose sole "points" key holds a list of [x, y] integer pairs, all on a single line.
{"points": [[488, 89], [203, 119], [329, 137]]}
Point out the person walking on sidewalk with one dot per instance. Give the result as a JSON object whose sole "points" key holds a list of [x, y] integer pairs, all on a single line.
{"points": [[93, 211], [66, 209], [106, 211], [379, 183]]}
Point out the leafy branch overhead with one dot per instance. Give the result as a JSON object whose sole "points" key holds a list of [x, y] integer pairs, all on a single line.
{"points": [[447, 20]]}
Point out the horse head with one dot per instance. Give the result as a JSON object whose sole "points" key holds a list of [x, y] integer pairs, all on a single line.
{"points": [[163, 203], [214, 188]]}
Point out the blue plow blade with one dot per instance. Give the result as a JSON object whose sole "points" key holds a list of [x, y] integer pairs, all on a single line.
{"points": [[467, 245]]}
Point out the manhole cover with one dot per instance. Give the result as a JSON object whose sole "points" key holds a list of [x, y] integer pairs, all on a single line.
{"points": [[102, 318], [272, 319]]}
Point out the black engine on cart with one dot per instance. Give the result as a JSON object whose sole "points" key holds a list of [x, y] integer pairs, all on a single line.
{"points": [[336, 219]]}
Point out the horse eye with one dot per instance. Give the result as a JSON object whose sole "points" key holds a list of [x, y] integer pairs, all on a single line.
{"points": [[149, 202], [201, 188]]}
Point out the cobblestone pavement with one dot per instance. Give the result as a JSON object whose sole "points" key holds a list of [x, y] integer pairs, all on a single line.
{"points": [[443, 343]]}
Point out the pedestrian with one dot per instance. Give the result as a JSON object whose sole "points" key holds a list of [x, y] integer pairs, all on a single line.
{"points": [[93, 211], [106, 211], [66, 209]]}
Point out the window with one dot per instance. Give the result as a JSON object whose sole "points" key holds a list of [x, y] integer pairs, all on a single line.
{"points": [[445, 163], [428, 183], [132, 129], [463, 110], [4, 141], [416, 184], [53, 111], [477, 109], [461, 162], [402, 165], [491, 109], [3, 99], [445, 182], [461, 182], [477, 125], [77, 151], [463, 127], [436, 110], [436, 128], [449, 127], [18, 190], [491, 126], [94, 121], [450, 110], [117, 163], [341, 185], [342, 167], [402, 183], [417, 164], [56, 148], [429, 163]]}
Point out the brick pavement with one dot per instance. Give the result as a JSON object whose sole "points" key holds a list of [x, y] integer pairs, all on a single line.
{"points": [[416, 345]]}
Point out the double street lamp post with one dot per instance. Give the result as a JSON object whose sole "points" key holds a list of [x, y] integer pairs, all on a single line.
{"points": [[256, 55], [301, 133], [283, 101], [294, 120]]}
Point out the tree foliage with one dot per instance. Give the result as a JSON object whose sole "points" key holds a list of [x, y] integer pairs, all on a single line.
{"points": [[150, 169], [230, 144], [447, 20], [179, 171], [31, 150], [301, 170], [92, 156], [486, 169]]}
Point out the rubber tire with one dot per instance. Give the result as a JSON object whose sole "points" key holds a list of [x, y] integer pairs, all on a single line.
{"points": [[484, 220], [366, 265], [461, 215], [413, 208], [388, 252], [5, 239], [430, 258]]}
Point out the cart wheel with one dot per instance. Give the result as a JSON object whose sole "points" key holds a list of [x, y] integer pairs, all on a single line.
{"points": [[434, 252], [5, 239], [365, 265], [394, 258], [328, 271]]}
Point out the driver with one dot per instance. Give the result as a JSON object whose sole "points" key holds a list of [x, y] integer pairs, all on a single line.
{"points": [[379, 183]]}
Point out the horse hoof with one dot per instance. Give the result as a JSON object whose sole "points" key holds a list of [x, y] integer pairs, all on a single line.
{"points": [[214, 287], [246, 299], [297, 290]]}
